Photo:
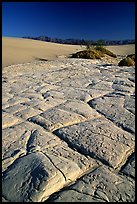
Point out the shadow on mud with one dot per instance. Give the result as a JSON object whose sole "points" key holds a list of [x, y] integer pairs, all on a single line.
{"points": [[41, 59]]}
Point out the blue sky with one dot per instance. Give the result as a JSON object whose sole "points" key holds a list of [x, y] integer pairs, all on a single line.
{"points": [[87, 20]]}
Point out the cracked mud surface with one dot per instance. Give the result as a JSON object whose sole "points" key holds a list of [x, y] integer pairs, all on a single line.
{"points": [[68, 132]]}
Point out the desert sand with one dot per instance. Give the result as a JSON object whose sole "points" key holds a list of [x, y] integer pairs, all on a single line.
{"points": [[19, 50], [122, 49]]}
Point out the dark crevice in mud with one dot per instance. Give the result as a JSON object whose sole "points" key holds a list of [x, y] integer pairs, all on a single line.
{"points": [[93, 83], [128, 129], [15, 152], [129, 159], [80, 149], [31, 139], [55, 166], [40, 59], [130, 110], [37, 122], [55, 195], [131, 79]]}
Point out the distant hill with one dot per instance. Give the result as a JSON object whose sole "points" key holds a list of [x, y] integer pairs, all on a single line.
{"points": [[82, 41]]}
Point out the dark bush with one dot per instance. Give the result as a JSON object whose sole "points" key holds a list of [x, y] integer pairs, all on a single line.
{"points": [[132, 56], [87, 54], [92, 52], [126, 62]]}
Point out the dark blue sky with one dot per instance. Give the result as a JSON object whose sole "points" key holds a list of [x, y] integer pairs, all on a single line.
{"points": [[88, 20]]}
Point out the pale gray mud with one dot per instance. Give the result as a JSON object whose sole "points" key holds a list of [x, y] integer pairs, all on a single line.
{"points": [[68, 132]]}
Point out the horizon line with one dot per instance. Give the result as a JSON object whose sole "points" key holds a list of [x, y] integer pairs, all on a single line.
{"points": [[67, 38]]}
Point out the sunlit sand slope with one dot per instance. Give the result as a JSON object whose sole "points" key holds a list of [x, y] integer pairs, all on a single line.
{"points": [[19, 50]]}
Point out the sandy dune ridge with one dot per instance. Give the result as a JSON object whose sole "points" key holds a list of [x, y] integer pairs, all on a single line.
{"points": [[19, 50]]}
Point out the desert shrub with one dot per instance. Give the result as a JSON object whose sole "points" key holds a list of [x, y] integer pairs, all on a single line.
{"points": [[89, 45], [100, 42], [126, 62], [87, 54], [105, 51], [93, 52], [132, 56]]}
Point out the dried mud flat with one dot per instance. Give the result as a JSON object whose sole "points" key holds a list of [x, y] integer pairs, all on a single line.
{"points": [[68, 132]]}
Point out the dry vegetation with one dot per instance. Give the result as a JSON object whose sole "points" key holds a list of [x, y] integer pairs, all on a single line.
{"points": [[93, 52], [99, 51], [128, 61]]}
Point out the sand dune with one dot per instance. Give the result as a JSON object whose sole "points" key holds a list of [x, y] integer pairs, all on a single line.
{"points": [[122, 49], [19, 50]]}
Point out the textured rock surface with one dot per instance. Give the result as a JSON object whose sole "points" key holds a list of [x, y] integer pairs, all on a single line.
{"points": [[68, 132], [101, 185], [102, 140], [129, 167]]}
